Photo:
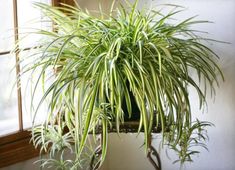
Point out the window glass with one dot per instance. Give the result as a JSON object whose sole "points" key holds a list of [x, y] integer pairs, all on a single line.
{"points": [[28, 81], [29, 18], [8, 95], [6, 26], [30, 23]]}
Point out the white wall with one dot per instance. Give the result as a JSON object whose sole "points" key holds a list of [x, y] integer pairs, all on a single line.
{"points": [[124, 154]]}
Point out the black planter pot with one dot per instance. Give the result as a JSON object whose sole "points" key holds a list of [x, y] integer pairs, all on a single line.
{"points": [[135, 116]]}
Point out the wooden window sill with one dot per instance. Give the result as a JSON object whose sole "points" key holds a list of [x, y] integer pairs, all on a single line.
{"points": [[15, 148]]}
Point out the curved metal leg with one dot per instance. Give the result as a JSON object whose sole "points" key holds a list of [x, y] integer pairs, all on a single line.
{"points": [[95, 165], [156, 163], [153, 152]]}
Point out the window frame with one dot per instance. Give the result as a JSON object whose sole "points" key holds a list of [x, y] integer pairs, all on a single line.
{"points": [[16, 147]]}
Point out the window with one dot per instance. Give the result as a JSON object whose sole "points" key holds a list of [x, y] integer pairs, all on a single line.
{"points": [[8, 103], [17, 17], [12, 117]]}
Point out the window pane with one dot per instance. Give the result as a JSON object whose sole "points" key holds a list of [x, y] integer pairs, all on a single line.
{"points": [[6, 26], [28, 82], [8, 97], [29, 21]]}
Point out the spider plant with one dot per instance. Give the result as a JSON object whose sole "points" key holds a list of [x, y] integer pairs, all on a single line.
{"points": [[89, 65]]}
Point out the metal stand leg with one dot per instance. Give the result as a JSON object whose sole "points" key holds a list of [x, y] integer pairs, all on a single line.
{"points": [[94, 165], [157, 163], [153, 152]]}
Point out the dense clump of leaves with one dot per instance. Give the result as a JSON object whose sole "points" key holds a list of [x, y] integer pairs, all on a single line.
{"points": [[100, 59]]}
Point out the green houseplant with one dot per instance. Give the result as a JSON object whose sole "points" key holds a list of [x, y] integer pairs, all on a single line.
{"points": [[97, 64]]}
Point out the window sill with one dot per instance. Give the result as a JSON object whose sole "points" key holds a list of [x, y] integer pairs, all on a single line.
{"points": [[15, 148]]}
